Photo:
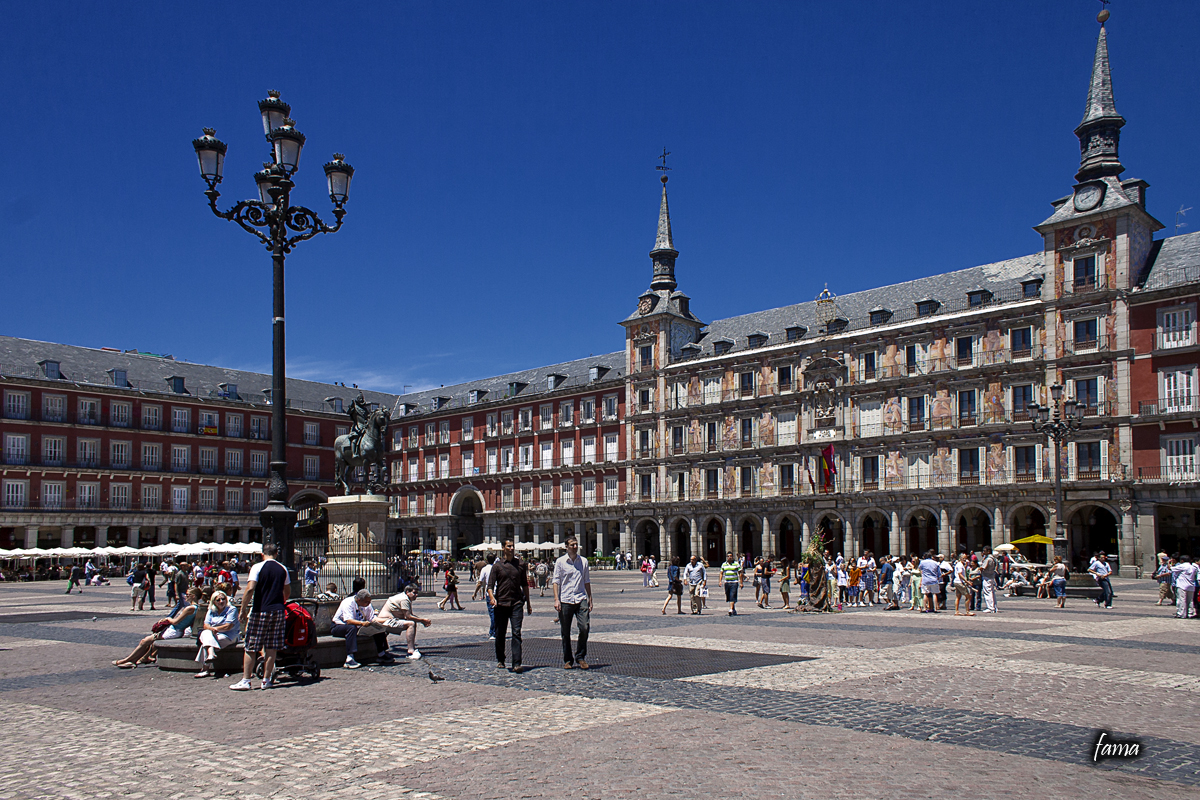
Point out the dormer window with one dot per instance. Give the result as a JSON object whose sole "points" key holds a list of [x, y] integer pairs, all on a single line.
{"points": [[267, 396], [596, 373], [475, 395], [756, 339], [690, 350], [515, 387], [722, 346], [978, 297], [1031, 288], [229, 390], [119, 377], [553, 381], [50, 368], [837, 324], [880, 315], [176, 384], [405, 409], [441, 402], [796, 333], [927, 307], [337, 404]]}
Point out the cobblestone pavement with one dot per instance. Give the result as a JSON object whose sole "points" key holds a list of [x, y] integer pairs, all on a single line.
{"points": [[882, 703]]}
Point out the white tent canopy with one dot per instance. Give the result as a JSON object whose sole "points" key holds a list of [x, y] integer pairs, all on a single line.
{"points": [[156, 551]]}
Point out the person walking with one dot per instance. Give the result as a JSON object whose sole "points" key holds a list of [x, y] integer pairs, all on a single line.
{"points": [[765, 583], [572, 586], [987, 571], [508, 590], [931, 576], [1058, 581], [696, 577], [451, 587], [887, 573], [730, 571], [1186, 575], [484, 575], [1165, 577], [785, 581], [76, 579], [674, 586], [1100, 570], [541, 572], [962, 587], [311, 578], [267, 589]]}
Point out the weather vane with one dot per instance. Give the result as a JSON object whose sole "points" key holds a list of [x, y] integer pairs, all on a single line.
{"points": [[664, 167]]}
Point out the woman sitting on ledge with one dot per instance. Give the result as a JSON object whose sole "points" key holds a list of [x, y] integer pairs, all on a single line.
{"points": [[165, 628], [220, 631]]}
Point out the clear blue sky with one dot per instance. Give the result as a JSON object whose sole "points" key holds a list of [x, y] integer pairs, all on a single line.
{"points": [[505, 197]]}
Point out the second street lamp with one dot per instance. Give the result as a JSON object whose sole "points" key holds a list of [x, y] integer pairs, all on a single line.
{"points": [[280, 226], [1056, 427]]}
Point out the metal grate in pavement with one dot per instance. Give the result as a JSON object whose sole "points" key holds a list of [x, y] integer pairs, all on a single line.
{"points": [[640, 661], [54, 616]]}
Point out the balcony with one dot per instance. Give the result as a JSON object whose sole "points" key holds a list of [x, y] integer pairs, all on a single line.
{"points": [[1178, 473], [1174, 404]]}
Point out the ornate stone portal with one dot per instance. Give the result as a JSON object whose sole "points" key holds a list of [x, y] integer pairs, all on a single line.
{"points": [[358, 545]]}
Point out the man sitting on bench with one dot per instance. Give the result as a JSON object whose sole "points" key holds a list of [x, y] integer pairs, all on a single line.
{"points": [[354, 617], [397, 615]]}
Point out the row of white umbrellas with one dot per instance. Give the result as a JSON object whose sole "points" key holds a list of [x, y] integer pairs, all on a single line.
{"points": [[157, 551], [518, 546]]}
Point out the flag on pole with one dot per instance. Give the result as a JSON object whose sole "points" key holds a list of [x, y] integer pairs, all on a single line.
{"points": [[808, 471], [828, 470]]}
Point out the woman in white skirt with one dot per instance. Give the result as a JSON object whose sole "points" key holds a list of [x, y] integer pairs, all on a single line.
{"points": [[220, 631]]}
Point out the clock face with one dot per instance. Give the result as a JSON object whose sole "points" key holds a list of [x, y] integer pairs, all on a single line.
{"points": [[1088, 196]]}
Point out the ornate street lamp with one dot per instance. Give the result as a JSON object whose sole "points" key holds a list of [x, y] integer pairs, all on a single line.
{"points": [[1048, 421], [279, 226]]}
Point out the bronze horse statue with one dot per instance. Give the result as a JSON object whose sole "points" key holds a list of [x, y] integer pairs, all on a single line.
{"points": [[363, 448]]}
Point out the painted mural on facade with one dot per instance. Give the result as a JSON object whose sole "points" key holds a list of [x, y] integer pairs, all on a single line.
{"points": [[993, 403]]}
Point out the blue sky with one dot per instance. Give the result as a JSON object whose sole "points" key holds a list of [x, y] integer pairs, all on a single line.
{"points": [[505, 198]]}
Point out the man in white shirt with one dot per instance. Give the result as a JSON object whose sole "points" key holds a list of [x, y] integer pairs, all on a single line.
{"points": [[962, 586], [397, 614], [484, 574], [696, 577], [355, 613], [1100, 570], [987, 570], [573, 585], [1186, 575]]}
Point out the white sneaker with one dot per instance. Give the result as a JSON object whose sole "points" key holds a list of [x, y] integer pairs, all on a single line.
{"points": [[415, 655], [491, 638], [242, 686], [268, 684], [351, 663]]}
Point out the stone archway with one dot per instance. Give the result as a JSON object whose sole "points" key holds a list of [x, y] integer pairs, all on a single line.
{"points": [[466, 513], [714, 542], [1025, 521], [875, 531], [921, 531], [681, 537], [834, 533], [749, 538], [972, 530], [1090, 530], [788, 538], [645, 539]]}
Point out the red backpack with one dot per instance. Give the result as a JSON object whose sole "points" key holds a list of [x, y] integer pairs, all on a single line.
{"points": [[300, 632]]}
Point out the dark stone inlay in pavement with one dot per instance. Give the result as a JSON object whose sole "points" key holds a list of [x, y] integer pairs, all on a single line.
{"points": [[53, 679], [73, 635], [1164, 759], [55, 616], [642, 661]]}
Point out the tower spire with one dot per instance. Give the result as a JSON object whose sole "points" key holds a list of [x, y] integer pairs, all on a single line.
{"points": [[1100, 131], [664, 253]]}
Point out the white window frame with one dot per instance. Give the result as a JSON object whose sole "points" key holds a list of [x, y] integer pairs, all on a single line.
{"points": [[16, 405]]}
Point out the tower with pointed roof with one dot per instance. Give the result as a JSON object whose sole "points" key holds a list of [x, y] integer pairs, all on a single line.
{"points": [[663, 323]]}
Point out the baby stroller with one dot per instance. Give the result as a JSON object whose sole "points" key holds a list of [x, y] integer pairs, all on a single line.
{"points": [[300, 634]]}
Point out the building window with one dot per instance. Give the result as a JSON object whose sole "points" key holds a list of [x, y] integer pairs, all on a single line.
{"points": [[964, 347], [1025, 463], [233, 500], [1087, 395], [468, 429], [712, 483], [587, 410], [208, 460], [1087, 461], [786, 428], [51, 369], [645, 487], [1175, 328], [53, 448], [796, 333], [151, 456], [1021, 342], [430, 435], [54, 408], [566, 491], [506, 423], [1086, 335], [978, 298], [87, 495], [87, 452], [610, 407], [16, 494], [233, 462], [506, 458], [151, 497], [787, 479], [546, 416], [747, 481], [646, 356], [258, 499], [644, 400], [312, 468], [119, 495], [180, 458], [490, 428], [1084, 269], [258, 463], [468, 463], [151, 418], [1180, 454], [119, 455], [927, 308], [16, 448], [867, 362], [611, 491], [179, 499], [259, 427], [784, 375], [566, 413], [916, 413], [722, 346], [677, 440], [747, 430], [429, 468], [643, 443], [120, 414], [711, 439], [233, 424], [1176, 390], [966, 407], [89, 412], [870, 473], [179, 420], [968, 466], [413, 469], [207, 498], [312, 433], [526, 495], [208, 424], [16, 405], [746, 384], [525, 419], [1022, 399], [1031, 289]]}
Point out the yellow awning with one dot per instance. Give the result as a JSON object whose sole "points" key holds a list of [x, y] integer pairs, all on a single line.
{"points": [[1035, 539]]}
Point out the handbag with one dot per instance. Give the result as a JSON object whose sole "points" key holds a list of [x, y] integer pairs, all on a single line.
{"points": [[160, 626], [703, 591]]}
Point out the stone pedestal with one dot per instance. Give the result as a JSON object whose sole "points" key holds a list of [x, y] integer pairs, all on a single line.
{"points": [[358, 544]]}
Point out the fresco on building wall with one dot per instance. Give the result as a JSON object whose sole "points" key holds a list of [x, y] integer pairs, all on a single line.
{"points": [[888, 361], [941, 409], [941, 467], [695, 397], [1060, 334], [728, 386], [893, 417], [1064, 462], [938, 351], [993, 404], [991, 347], [696, 436], [1139, 248], [893, 469], [1041, 341], [1110, 395], [729, 478], [696, 483], [766, 430], [1110, 328], [766, 478], [996, 465], [766, 379], [729, 438]]}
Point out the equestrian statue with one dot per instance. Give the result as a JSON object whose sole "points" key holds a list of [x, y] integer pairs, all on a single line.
{"points": [[364, 446]]}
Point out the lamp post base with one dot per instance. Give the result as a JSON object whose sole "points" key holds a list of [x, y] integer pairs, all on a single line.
{"points": [[1060, 547]]}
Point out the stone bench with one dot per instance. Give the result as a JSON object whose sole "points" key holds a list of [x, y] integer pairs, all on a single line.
{"points": [[179, 655]]}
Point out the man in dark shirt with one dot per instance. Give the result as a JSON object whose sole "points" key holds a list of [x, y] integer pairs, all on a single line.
{"points": [[886, 572], [137, 597], [508, 591], [267, 589]]}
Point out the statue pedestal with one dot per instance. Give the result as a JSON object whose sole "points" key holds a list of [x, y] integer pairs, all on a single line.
{"points": [[358, 545]]}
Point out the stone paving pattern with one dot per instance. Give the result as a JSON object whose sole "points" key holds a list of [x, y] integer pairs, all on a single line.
{"points": [[884, 704]]}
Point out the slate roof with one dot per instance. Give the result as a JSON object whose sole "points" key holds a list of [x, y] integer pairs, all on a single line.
{"points": [[575, 374], [1172, 262], [149, 373], [1003, 279]]}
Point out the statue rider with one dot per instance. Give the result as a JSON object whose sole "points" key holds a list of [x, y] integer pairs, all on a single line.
{"points": [[360, 415]]}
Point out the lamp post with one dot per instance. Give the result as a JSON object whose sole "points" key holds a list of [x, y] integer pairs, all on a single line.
{"points": [[1056, 421], [279, 226]]}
